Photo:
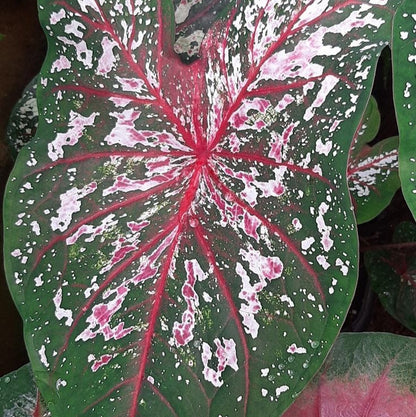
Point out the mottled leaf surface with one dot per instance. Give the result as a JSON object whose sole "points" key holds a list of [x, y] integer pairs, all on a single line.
{"points": [[192, 24], [372, 170], [404, 73], [18, 395], [392, 272], [180, 239], [23, 120], [367, 374]]}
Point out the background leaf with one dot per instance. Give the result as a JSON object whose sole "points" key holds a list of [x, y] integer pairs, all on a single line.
{"points": [[371, 374], [372, 170], [404, 73], [18, 395], [392, 272], [193, 19], [180, 240], [23, 121]]}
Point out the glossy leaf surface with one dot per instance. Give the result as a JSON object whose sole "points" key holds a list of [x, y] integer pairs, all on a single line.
{"points": [[404, 70], [367, 374], [180, 238], [372, 170], [392, 272]]}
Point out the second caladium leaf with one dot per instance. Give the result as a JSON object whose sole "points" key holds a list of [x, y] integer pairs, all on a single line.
{"points": [[367, 374], [372, 170], [23, 121], [392, 271], [19, 396], [180, 239]]}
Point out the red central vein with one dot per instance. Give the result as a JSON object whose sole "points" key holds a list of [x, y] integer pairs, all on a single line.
{"points": [[157, 303], [155, 91], [253, 37], [272, 227], [177, 221], [200, 141], [222, 282], [189, 195]]}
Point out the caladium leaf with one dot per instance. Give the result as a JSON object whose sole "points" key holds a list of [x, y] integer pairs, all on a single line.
{"points": [[404, 70], [367, 374], [23, 121], [180, 239], [19, 395], [392, 272], [372, 170]]}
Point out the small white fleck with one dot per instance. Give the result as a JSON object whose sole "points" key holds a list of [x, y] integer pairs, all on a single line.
{"points": [[292, 349], [281, 389], [42, 354], [404, 35]]}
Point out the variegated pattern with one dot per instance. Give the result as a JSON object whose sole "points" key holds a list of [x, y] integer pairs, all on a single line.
{"points": [[23, 120], [181, 240], [372, 170]]}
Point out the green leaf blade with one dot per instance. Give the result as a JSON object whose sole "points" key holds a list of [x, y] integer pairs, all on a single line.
{"points": [[189, 227], [372, 170], [404, 69]]}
